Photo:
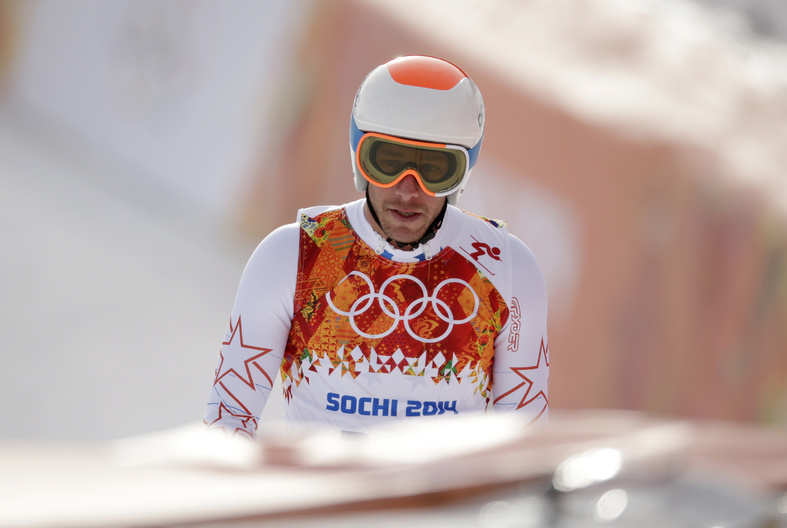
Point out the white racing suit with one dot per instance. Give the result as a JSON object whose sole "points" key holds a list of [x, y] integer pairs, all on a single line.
{"points": [[360, 332]]}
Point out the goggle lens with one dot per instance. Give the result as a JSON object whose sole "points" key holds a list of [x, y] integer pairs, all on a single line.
{"points": [[385, 160]]}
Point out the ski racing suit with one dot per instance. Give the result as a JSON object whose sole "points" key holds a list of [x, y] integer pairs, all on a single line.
{"points": [[361, 332]]}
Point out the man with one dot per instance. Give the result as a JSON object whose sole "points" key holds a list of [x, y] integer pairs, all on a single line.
{"points": [[399, 304]]}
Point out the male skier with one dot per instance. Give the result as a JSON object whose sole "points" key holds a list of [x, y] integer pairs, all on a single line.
{"points": [[399, 304]]}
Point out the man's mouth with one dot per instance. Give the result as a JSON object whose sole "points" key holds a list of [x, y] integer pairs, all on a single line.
{"points": [[406, 214]]}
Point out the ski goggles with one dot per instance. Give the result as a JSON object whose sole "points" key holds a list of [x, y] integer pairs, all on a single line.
{"points": [[386, 160]]}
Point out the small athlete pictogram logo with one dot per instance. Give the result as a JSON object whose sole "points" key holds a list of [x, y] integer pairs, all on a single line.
{"points": [[482, 249]]}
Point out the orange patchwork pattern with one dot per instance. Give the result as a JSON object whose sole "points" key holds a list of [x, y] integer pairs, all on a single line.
{"points": [[361, 313]]}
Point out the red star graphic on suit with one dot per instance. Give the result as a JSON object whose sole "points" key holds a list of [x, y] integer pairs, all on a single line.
{"points": [[240, 359], [249, 423], [531, 382]]}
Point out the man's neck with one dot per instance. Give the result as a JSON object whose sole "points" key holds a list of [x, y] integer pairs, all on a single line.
{"points": [[379, 230], [428, 235]]}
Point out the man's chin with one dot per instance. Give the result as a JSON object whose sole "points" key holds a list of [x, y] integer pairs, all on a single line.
{"points": [[404, 236]]}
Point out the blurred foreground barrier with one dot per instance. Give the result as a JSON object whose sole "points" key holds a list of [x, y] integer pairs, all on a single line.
{"points": [[602, 465]]}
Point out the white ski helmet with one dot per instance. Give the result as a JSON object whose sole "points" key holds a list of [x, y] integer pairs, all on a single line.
{"points": [[422, 99]]}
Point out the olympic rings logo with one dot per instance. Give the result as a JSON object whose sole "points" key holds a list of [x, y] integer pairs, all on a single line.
{"points": [[413, 310]]}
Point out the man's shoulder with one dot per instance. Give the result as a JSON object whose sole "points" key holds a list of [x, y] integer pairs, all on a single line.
{"points": [[499, 224], [321, 223], [317, 210], [481, 228], [315, 219]]}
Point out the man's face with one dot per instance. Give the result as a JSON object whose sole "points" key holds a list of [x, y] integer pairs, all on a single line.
{"points": [[405, 210]]}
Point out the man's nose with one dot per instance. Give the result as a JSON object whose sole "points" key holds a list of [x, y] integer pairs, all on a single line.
{"points": [[409, 185]]}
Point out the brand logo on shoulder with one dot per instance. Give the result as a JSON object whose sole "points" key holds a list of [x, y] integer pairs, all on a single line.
{"points": [[516, 325]]}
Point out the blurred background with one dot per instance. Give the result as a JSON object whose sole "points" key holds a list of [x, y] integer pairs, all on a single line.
{"points": [[147, 146]]}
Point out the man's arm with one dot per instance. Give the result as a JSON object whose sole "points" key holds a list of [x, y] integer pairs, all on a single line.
{"points": [[252, 349], [521, 369]]}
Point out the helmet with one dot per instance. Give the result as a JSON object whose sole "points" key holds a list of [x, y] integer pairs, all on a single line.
{"points": [[422, 99]]}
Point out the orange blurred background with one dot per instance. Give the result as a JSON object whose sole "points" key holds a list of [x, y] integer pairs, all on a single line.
{"points": [[638, 151], [661, 180]]}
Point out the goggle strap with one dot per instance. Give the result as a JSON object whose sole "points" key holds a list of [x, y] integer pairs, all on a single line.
{"points": [[473, 153], [355, 133]]}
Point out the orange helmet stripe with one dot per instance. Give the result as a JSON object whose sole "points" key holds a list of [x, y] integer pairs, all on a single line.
{"points": [[425, 72]]}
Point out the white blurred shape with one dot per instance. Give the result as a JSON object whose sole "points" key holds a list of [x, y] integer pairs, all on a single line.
{"points": [[498, 514], [611, 505], [410, 441], [589, 467], [782, 504]]}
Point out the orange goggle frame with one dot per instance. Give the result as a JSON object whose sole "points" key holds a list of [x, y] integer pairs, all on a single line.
{"points": [[385, 160]]}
